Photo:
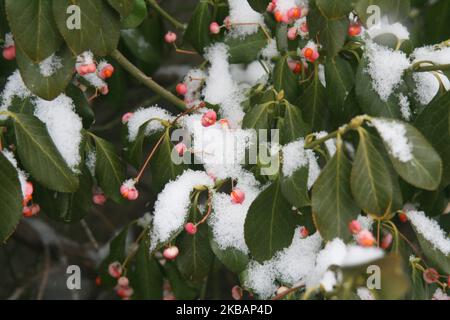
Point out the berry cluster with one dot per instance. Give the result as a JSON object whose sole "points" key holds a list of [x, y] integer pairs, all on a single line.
{"points": [[123, 288]]}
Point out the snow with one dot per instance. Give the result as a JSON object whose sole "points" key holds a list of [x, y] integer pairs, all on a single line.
{"points": [[86, 57], [227, 219], [91, 160], [242, 13], [248, 75], [194, 80], [142, 115], [261, 279], [9, 40], [430, 230], [434, 54], [50, 66], [22, 175], [64, 127], [171, 213], [386, 68], [220, 87], [397, 29], [440, 295], [427, 85], [394, 135], [95, 80], [321, 75], [404, 107], [364, 294], [15, 87], [296, 157], [270, 51]]}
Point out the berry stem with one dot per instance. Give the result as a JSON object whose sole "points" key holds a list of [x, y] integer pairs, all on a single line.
{"points": [[177, 24], [150, 156], [134, 249], [208, 213], [147, 81]]}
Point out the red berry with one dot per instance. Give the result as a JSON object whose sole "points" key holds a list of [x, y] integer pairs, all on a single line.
{"points": [[180, 148], [365, 238], [170, 37], [106, 72], [237, 196], [278, 16], [115, 269], [209, 118], [35, 209], [91, 68], [214, 28], [386, 241], [304, 232], [125, 292], [237, 293], [181, 89], [99, 199], [403, 217], [354, 226], [29, 189], [129, 191], [354, 30], [9, 53], [430, 275], [26, 212], [126, 117], [190, 228], [170, 253], [98, 281], [123, 281], [294, 13]]}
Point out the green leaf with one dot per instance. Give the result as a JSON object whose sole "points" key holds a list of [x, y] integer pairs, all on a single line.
{"points": [[333, 206], [146, 277], [33, 27], [39, 155], [371, 182], [436, 22], [295, 188], [182, 289], [313, 104], [109, 168], [270, 223], [340, 81], [395, 10], [197, 32], [10, 198], [434, 123], [284, 79], [162, 167], [82, 106], [293, 127], [257, 117], [235, 260], [246, 50], [259, 5], [137, 15], [99, 30], [124, 7], [424, 170], [334, 9], [435, 256], [67, 207], [47, 87], [369, 100], [117, 252], [196, 257]]}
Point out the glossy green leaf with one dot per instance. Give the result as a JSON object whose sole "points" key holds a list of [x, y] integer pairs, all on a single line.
{"points": [[332, 203], [137, 15], [246, 50], [47, 86], [33, 27], [424, 170], [235, 260], [436, 22], [294, 126], [259, 5], [197, 32], [371, 182], [295, 188], [39, 155], [334, 9], [258, 117], [10, 198], [182, 289], [284, 79], [395, 10], [109, 168], [99, 30], [82, 105], [124, 7], [270, 223]]}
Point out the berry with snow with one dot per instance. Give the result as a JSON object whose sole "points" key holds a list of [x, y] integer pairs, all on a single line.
{"points": [[311, 54], [214, 28], [294, 13], [304, 232], [292, 33], [209, 118], [106, 72], [9, 53], [170, 37], [181, 148], [171, 252], [181, 89], [129, 191], [190, 228], [126, 117], [224, 123], [115, 269], [237, 196], [354, 226], [365, 238], [304, 28], [430, 275]]}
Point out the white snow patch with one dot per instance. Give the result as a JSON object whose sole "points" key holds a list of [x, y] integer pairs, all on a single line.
{"points": [[142, 115]]}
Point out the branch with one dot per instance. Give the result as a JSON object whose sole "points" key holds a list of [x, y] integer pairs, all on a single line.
{"points": [[177, 24], [147, 81]]}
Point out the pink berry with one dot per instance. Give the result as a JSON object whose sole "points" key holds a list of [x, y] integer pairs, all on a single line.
{"points": [[292, 33], [170, 253], [227, 22], [28, 189], [237, 196], [209, 118], [386, 241], [9, 53], [170, 37], [294, 13], [123, 281], [285, 18], [237, 293], [129, 192], [180, 148], [35, 209], [104, 90], [304, 232], [310, 54], [365, 238], [270, 7], [190, 228], [354, 226], [214, 28], [99, 198], [224, 123], [430, 275], [106, 72], [82, 70], [125, 292], [115, 269], [126, 117], [26, 212], [181, 89], [304, 27], [91, 68]]}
